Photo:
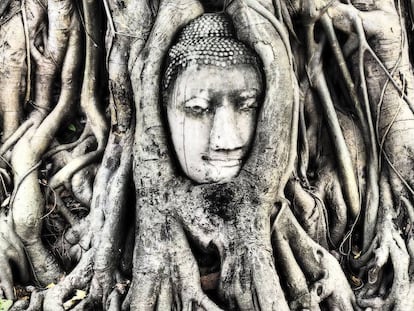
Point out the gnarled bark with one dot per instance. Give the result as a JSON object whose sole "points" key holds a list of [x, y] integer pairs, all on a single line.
{"points": [[319, 218]]}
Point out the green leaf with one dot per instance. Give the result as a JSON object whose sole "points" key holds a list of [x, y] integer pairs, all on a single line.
{"points": [[5, 304], [72, 127]]}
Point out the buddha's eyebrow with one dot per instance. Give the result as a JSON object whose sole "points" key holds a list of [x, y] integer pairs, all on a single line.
{"points": [[249, 93], [196, 97], [202, 95]]}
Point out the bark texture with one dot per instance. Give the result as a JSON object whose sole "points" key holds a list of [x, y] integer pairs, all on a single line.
{"points": [[95, 213]]}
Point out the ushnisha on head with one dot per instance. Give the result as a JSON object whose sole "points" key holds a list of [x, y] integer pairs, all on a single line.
{"points": [[212, 89], [207, 40]]}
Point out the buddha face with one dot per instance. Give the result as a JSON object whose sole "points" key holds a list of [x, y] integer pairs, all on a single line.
{"points": [[212, 114]]}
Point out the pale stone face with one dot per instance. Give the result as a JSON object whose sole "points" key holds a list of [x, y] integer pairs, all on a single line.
{"points": [[211, 114]]}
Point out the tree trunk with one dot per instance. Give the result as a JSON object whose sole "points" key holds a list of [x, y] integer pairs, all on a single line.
{"points": [[97, 211]]}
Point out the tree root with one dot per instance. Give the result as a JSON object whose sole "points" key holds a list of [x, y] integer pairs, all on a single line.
{"points": [[36, 300], [97, 239], [12, 139], [28, 205], [78, 171], [306, 262], [20, 305], [173, 215], [168, 275], [12, 255], [390, 247], [12, 75], [321, 210], [248, 280], [79, 278], [186, 284]]}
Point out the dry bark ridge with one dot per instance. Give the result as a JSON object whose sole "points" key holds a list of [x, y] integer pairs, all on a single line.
{"points": [[338, 146]]}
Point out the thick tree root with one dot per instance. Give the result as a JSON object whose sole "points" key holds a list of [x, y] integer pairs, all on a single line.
{"points": [[20, 305], [79, 278], [313, 275], [12, 75], [36, 300], [174, 216], [96, 241], [248, 280], [12, 255], [389, 246], [168, 276]]}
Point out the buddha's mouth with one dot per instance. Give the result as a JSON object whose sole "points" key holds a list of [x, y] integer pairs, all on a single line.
{"points": [[223, 162]]}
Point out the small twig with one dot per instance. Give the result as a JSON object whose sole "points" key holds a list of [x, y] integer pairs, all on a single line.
{"points": [[54, 201], [109, 17]]}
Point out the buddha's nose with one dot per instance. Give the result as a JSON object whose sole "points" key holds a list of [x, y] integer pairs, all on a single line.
{"points": [[225, 135]]}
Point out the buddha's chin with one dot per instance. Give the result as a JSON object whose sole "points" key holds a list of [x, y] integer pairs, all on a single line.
{"points": [[217, 174]]}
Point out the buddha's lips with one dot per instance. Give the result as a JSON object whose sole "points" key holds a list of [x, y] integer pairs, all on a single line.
{"points": [[223, 162]]}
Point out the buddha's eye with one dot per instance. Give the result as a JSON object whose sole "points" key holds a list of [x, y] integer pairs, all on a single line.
{"points": [[197, 106], [246, 104]]}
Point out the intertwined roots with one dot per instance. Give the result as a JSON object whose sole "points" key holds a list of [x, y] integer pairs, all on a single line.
{"points": [[339, 146]]}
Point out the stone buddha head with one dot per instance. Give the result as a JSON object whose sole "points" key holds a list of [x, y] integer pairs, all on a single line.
{"points": [[212, 92]]}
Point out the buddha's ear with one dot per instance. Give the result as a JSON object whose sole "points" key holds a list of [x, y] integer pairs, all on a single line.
{"points": [[274, 148]]}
